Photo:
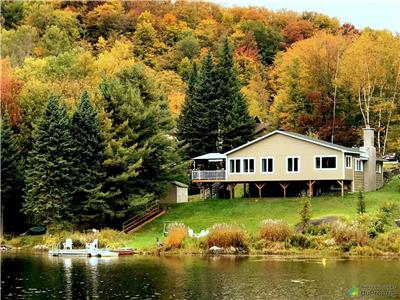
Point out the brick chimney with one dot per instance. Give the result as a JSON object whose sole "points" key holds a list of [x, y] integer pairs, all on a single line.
{"points": [[370, 165]]}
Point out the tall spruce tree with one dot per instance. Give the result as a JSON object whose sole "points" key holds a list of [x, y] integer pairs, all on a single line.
{"points": [[11, 179], [185, 121], [234, 122], [197, 125], [89, 205], [49, 172], [142, 153]]}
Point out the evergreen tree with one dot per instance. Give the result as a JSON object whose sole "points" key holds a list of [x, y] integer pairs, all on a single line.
{"points": [[198, 125], [89, 205], [305, 211], [142, 154], [49, 173], [11, 179], [235, 124], [185, 120], [361, 209]]}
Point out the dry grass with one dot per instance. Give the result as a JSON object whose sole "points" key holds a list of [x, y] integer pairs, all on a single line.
{"points": [[226, 235], [349, 233], [275, 230], [177, 233]]}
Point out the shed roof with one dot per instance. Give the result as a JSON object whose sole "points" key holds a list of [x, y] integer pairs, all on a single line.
{"points": [[179, 184]]}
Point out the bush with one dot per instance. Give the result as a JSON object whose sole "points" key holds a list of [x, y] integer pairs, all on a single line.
{"points": [[387, 213], [226, 235], [305, 211], [300, 240], [177, 232], [388, 242], [361, 203], [349, 235], [275, 230], [317, 229]]}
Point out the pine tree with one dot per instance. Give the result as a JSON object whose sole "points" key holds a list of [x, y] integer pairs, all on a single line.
{"points": [[185, 120], [197, 125], [305, 211], [89, 205], [11, 179], [361, 209], [49, 172], [235, 124], [142, 154]]}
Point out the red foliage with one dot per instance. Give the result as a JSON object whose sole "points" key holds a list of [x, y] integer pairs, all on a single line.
{"points": [[248, 47], [348, 29], [298, 30]]}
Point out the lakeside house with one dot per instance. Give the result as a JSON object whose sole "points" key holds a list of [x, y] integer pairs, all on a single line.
{"points": [[283, 163]]}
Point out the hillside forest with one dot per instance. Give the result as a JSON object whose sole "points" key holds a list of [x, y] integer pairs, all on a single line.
{"points": [[104, 102]]}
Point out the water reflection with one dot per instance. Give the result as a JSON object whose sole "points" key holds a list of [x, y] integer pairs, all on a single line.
{"points": [[42, 277]]}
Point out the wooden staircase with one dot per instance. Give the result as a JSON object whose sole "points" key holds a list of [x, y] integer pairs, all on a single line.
{"points": [[152, 212]]}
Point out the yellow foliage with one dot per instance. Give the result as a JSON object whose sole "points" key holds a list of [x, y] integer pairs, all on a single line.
{"points": [[116, 59]]}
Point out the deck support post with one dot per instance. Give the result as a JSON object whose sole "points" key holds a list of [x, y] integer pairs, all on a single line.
{"points": [[341, 187], [310, 188], [244, 190], [284, 186], [231, 188], [259, 186]]}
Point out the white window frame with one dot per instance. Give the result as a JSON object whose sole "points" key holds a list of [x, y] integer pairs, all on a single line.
{"points": [[351, 161], [324, 169], [356, 161], [298, 164], [242, 167], [273, 164], [229, 165], [378, 168]]}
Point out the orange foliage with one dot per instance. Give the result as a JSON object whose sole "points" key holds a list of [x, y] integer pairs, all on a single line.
{"points": [[298, 30], [10, 87]]}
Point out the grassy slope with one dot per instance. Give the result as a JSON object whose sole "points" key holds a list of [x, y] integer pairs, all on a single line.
{"points": [[250, 212]]}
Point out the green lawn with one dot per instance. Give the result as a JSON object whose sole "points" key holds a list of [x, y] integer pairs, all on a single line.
{"points": [[250, 212]]}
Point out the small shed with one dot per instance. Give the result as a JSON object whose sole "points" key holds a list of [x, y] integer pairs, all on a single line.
{"points": [[177, 192]]}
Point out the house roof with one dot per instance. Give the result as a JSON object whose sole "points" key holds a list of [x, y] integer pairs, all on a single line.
{"points": [[211, 156], [300, 137]]}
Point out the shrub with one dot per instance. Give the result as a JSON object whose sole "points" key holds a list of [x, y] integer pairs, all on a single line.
{"points": [[317, 229], [177, 232], [300, 240], [275, 230], [388, 242], [349, 235], [305, 211], [361, 203], [387, 213], [226, 235]]}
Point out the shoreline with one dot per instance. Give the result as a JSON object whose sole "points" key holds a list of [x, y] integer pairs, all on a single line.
{"points": [[300, 254]]}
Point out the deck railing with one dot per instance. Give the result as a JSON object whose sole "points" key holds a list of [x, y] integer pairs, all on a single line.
{"points": [[208, 175]]}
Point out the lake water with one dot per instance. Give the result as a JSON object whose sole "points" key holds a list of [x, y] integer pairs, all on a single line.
{"points": [[38, 276]]}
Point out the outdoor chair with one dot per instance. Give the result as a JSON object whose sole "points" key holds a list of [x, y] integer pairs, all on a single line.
{"points": [[67, 244]]}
